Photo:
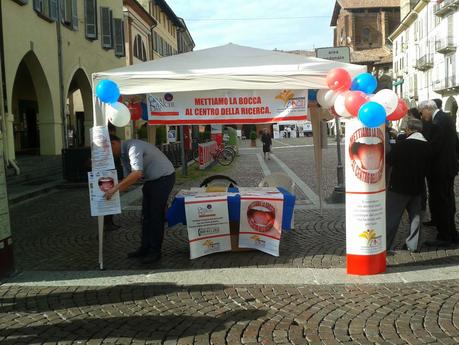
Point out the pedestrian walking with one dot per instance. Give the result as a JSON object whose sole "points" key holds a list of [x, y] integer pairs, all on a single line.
{"points": [[409, 160], [267, 143], [444, 167], [144, 160]]}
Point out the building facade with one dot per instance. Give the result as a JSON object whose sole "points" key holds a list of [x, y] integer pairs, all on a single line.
{"points": [[364, 26], [425, 53], [49, 56]]}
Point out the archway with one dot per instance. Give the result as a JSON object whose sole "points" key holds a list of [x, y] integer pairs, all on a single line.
{"points": [[79, 110], [32, 106], [451, 108]]}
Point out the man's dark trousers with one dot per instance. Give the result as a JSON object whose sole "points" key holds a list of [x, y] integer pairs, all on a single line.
{"points": [[155, 195], [443, 199]]}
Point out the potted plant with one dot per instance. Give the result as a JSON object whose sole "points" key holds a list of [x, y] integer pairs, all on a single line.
{"points": [[253, 138]]}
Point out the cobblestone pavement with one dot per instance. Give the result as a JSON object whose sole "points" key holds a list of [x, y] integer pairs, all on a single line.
{"points": [[55, 232], [167, 314]]}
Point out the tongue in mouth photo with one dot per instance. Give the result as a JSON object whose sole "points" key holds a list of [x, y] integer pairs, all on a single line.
{"points": [[366, 149]]}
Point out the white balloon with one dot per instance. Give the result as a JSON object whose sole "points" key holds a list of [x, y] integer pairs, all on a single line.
{"points": [[387, 98], [340, 108], [118, 114], [326, 98]]}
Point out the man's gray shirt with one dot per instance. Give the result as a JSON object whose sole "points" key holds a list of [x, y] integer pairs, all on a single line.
{"points": [[143, 156]]}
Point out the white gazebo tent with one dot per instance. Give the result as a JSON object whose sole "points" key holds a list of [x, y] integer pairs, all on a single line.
{"points": [[228, 67]]}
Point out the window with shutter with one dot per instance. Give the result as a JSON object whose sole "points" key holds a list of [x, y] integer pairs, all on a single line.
{"points": [[90, 19], [22, 2], [74, 15], [118, 29], [38, 5], [106, 27], [53, 10]]}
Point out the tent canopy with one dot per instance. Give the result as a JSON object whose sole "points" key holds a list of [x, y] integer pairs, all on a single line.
{"points": [[230, 67]]}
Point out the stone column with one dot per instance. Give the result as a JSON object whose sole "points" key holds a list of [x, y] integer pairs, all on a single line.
{"points": [[9, 139], [6, 242]]}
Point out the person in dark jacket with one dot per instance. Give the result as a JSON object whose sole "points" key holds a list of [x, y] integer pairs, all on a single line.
{"points": [[267, 142], [410, 161], [443, 170]]}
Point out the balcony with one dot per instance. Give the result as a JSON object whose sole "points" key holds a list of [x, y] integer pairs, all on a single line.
{"points": [[446, 85], [446, 7], [424, 63], [445, 45]]}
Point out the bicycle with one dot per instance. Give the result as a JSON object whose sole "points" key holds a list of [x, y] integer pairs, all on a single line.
{"points": [[224, 155]]}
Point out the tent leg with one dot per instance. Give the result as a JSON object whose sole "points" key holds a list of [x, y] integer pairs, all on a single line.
{"points": [[100, 224]]}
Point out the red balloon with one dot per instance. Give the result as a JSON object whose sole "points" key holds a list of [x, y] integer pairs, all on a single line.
{"points": [[354, 100], [136, 111], [399, 112], [338, 79]]}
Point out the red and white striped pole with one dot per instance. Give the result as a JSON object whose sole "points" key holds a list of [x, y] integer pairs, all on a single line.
{"points": [[365, 199]]}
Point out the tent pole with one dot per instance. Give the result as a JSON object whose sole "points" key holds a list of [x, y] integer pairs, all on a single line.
{"points": [[182, 151], [98, 120]]}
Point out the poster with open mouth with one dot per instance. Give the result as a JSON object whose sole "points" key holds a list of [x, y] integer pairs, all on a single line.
{"points": [[99, 183], [365, 198], [208, 224], [261, 221]]}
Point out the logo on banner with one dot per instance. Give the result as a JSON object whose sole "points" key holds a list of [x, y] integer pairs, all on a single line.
{"points": [[206, 211], [211, 245], [258, 241], [366, 150], [261, 216], [285, 96], [290, 101], [372, 239], [158, 103]]}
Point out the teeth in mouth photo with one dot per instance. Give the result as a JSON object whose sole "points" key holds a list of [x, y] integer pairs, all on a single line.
{"points": [[366, 149], [368, 153]]}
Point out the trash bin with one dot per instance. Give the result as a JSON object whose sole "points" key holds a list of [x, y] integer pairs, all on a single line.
{"points": [[76, 163]]}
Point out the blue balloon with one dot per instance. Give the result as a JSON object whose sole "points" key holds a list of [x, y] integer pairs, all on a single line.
{"points": [[144, 111], [364, 82], [107, 91], [312, 95], [372, 114]]}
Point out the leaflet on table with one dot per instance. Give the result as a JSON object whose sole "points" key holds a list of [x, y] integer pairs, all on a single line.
{"points": [[258, 190], [261, 222], [100, 182], [208, 224], [101, 149], [201, 193]]}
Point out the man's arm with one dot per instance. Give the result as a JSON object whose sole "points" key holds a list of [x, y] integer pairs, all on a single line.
{"points": [[132, 178]]}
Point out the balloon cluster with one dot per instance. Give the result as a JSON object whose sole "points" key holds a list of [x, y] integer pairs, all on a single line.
{"points": [[354, 98], [117, 113]]}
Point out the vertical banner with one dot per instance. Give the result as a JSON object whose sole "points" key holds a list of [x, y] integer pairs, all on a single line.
{"points": [[365, 199], [261, 221], [208, 224], [103, 175], [100, 182], [101, 149]]}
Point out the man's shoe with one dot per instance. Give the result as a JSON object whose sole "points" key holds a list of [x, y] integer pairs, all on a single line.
{"points": [[139, 253], [151, 258], [438, 243], [428, 223]]}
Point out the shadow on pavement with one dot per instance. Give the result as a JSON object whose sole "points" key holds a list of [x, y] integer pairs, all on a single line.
{"points": [[154, 327]]}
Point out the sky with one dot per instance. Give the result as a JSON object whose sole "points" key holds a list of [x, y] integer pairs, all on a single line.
{"points": [[298, 24]]}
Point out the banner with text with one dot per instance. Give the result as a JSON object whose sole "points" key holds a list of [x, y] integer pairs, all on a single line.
{"points": [[227, 106], [261, 221], [208, 224], [365, 199]]}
